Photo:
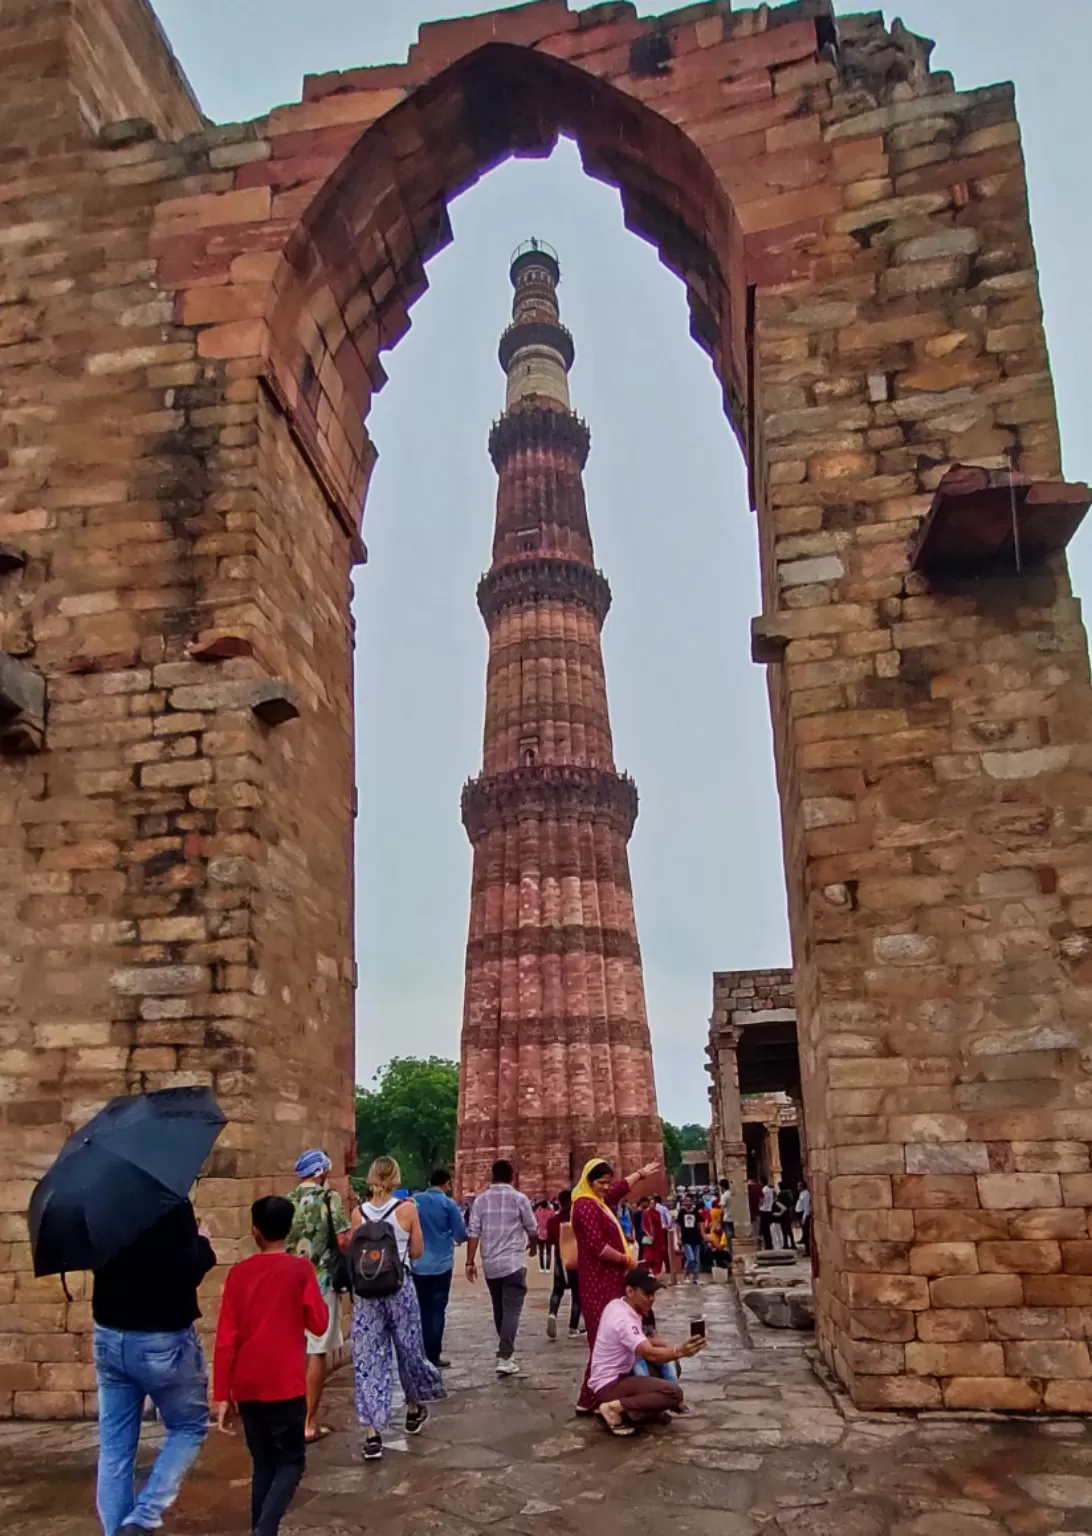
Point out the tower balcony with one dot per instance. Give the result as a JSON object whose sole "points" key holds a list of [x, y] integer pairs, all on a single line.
{"points": [[544, 579], [555, 791], [536, 333], [531, 427]]}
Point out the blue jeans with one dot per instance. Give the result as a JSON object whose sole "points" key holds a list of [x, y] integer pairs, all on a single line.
{"points": [[432, 1297], [170, 1369], [668, 1371], [693, 1259]]}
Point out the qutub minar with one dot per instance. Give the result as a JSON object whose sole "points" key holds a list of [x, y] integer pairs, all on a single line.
{"points": [[556, 1056]]}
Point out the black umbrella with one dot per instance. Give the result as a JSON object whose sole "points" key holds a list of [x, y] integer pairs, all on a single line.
{"points": [[117, 1176]]}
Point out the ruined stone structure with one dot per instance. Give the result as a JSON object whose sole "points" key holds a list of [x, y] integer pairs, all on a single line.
{"points": [[556, 1057], [754, 1062], [192, 320]]}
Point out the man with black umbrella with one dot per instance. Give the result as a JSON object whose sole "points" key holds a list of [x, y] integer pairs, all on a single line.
{"points": [[145, 1306]]}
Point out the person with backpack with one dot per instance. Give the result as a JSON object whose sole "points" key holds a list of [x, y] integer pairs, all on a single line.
{"points": [[317, 1233], [271, 1302], [386, 1313]]}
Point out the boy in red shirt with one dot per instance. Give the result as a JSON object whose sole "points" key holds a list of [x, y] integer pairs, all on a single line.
{"points": [[260, 1364]]}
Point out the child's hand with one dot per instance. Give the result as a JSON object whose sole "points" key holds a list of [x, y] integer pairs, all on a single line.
{"points": [[225, 1417]]}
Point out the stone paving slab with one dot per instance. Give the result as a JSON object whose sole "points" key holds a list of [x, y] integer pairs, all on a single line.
{"points": [[769, 1448]]}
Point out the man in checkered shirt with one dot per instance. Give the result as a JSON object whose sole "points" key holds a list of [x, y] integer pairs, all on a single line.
{"points": [[501, 1222]]}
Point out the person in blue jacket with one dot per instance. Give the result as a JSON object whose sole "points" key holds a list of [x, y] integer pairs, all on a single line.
{"points": [[443, 1226]]}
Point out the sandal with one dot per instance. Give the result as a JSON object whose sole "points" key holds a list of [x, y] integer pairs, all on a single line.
{"points": [[621, 1429], [320, 1434]]}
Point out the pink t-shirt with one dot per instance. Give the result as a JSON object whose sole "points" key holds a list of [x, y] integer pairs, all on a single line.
{"points": [[620, 1332]]}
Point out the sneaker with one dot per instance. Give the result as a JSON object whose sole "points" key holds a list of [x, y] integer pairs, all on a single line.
{"points": [[445, 1365], [583, 1326], [551, 1327], [574, 1333], [507, 1367], [373, 1448], [416, 1421]]}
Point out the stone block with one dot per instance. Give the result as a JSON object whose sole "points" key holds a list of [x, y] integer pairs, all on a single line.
{"points": [[934, 1192], [901, 1393], [951, 1325], [1049, 1359], [944, 1259], [976, 1291], [907, 1293], [955, 1359], [1020, 1258], [1018, 1191], [992, 1394]]}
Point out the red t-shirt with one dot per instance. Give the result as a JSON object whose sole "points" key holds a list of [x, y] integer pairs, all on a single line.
{"points": [[261, 1353]]}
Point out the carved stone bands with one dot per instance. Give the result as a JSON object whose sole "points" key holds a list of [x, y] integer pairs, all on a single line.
{"points": [[562, 792], [543, 579], [536, 333], [538, 428], [573, 939]]}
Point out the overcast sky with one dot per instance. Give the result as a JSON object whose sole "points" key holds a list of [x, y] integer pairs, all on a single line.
{"points": [[668, 509]]}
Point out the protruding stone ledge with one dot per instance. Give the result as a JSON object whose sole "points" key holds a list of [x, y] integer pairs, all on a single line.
{"points": [[561, 792], [768, 638], [275, 702], [538, 427], [544, 580], [11, 559], [22, 707], [994, 523]]}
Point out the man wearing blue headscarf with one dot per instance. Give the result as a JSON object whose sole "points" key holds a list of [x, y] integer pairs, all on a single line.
{"points": [[320, 1219]]}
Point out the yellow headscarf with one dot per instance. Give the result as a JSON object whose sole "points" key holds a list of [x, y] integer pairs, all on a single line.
{"points": [[584, 1191]]}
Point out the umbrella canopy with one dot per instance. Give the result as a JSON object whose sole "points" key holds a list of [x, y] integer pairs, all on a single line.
{"points": [[117, 1176]]}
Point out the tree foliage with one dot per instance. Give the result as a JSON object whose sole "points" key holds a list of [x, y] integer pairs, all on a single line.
{"points": [[679, 1139], [409, 1114]]}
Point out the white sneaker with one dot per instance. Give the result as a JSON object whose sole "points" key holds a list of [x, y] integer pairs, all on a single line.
{"points": [[551, 1327], [507, 1367]]}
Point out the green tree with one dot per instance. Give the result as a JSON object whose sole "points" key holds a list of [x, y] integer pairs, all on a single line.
{"points": [[679, 1139], [409, 1114]]}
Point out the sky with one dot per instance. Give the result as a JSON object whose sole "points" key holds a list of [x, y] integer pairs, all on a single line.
{"points": [[668, 509]]}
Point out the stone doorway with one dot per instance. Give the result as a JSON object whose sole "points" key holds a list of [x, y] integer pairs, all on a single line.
{"points": [[200, 315]]}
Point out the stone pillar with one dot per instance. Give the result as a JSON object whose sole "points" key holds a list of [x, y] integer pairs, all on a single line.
{"points": [[729, 1149], [773, 1153]]}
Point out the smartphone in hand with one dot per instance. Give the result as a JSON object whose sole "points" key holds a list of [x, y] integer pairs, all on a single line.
{"points": [[697, 1327]]}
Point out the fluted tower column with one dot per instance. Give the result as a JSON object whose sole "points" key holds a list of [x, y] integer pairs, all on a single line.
{"points": [[556, 1057]]}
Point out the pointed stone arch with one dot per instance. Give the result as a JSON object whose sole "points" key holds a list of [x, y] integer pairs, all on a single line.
{"points": [[355, 264]]}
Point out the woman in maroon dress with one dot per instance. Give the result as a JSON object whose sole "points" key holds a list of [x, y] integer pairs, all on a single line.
{"points": [[654, 1238], [605, 1257]]}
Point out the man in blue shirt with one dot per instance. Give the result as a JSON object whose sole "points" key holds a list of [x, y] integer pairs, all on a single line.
{"points": [[443, 1227]]}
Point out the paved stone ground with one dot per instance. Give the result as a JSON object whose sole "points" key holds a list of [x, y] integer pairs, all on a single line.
{"points": [[767, 1449]]}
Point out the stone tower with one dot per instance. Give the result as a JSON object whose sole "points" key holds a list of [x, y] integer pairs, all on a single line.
{"points": [[556, 1057]]}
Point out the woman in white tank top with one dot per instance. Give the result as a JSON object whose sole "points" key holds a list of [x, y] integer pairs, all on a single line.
{"points": [[385, 1323]]}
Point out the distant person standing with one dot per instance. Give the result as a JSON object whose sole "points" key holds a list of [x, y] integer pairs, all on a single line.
{"points": [[566, 1274], [144, 1305], [319, 1221], [767, 1201], [803, 1210], [543, 1212], [443, 1226], [271, 1302], [501, 1223], [784, 1212]]}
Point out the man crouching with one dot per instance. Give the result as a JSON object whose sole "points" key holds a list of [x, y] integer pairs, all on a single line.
{"points": [[624, 1398]]}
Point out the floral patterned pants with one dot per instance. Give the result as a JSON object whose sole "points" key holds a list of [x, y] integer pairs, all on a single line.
{"points": [[380, 1326]]}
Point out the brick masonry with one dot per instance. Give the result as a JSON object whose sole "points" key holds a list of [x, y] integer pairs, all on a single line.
{"points": [[191, 327]]}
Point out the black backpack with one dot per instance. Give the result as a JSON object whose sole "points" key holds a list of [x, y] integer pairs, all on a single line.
{"points": [[375, 1264]]}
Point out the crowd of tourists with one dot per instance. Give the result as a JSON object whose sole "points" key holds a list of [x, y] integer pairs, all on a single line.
{"points": [[608, 1243]]}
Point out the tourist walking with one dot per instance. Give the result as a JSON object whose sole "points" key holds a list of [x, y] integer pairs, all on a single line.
{"points": [[603, 1255], [316, 1234], [270, 1303], [386, 1316], [653, 1236], [543, 1212], [620, 1395], [691, 1239], [500, 1223], [442, 1226], [144, 1305], [566, 1273]]}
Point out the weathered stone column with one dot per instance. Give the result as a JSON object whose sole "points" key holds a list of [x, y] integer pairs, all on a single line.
{"points": [[773, 1153], [729, 1149]]}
